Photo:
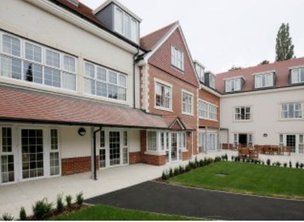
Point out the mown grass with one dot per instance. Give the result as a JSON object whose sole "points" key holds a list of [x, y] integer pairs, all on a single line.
{"points": [[246, 178], [104, 212]]}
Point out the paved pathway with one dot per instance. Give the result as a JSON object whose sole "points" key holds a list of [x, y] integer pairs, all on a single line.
{"points": [[169, 199]]}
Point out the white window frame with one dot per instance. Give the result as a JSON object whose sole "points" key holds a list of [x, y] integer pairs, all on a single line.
{"points": [[177, 58], [240, 113], [126, 28], [43, 63], [207, 111], [264, 80], [107, 82], [294, 104], [296, 75], [165, 84], [184, 103], [233, 85], [200, 72]]}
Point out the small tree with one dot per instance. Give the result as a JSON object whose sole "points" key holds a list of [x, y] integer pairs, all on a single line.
{"points": [[264, 62], [284, 46], [233, 68]]}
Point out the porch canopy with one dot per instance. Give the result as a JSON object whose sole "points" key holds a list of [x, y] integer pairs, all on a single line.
{"points": [[23, 105]]}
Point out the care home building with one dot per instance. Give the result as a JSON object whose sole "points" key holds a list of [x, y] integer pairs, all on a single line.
{"points": [[69, 100], [81, 91], [263, 105]]}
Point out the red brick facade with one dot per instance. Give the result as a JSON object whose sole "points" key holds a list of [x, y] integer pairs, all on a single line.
{"points": [[77, 165], [211, 98]]}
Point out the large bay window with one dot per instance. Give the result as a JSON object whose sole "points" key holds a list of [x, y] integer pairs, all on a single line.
{"points": [[187, 103], [207, 110], [264, 80], [297, 75], [103, 82], [24, 60], [292, 111], [163, 96]]}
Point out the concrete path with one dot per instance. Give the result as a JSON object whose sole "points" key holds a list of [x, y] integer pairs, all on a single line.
{"points": [[169, 199]]}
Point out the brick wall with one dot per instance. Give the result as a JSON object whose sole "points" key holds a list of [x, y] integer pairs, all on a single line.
{"points": [[77, 165], [209, 97], [135, 158]]}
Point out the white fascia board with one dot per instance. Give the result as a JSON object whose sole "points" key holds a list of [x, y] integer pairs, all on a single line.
{"points": [[83, 24]]}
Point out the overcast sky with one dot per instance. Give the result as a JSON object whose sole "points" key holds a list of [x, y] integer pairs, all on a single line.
{"points": [[222, 33]]}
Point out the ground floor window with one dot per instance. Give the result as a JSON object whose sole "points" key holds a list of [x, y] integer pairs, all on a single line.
{"points": [[242, 139], [293, 141], [113, 150], [208, 141], [35, 150]]}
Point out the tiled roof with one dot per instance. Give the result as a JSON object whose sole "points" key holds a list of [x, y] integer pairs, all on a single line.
{"points": [[149, 41], [26, 105], [281, 69]]}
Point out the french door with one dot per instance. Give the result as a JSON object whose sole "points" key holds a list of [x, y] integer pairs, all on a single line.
{"points": [[174, 143], [294, 141], [113, 149]]}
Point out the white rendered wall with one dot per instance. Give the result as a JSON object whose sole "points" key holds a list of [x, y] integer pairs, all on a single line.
{"points": [[266, 116], [26, 20]]}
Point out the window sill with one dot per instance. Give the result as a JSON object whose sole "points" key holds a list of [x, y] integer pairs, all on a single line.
{"points": [[291, 119], [178, 69], [215, 120], [156, 153], [188, 114], [163, 108], [242, 121]]}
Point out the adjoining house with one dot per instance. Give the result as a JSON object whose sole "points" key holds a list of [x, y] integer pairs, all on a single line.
{"points": [[80, 91], [263, 105]]}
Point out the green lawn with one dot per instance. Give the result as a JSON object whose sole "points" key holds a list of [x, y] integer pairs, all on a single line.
{"points": [[103, 212], [246, 178]]}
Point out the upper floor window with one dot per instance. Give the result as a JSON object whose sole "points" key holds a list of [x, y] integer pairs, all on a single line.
{"points": [[292, 111], [187, 103], [163, 96], [200, 72], [177, 58], [264, 80], [233, 85], [126, 25], [243, 113], [212, 81], [24, 60], [104, 82], [297, 75], [207, 110]]}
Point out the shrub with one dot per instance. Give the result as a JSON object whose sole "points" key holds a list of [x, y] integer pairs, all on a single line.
{"points": [[187, 168], [201, 163], [217, 159], [196, 162], [68, 200], [278, 164], [285, 165], [181, 169], [42, 209], [59, 204], [297, 165], [176, 171], [301, 165], [171, 173], [268, 162], [290, 164], [232, 158], [22, 214], [79, 198], [7, 216]]}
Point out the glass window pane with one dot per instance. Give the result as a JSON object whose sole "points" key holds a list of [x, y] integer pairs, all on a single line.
{"points": [[11, 45], [112, 77], [112, 92], [10, 67], [89, 70], [101, 74], [32, 72], [68, 81], [52, 58], [89, 86], [33, 52], [101, 89], [52, 77], [69, 64], [122, 80]]}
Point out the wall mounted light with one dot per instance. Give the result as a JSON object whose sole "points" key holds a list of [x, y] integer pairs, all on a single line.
{"points": [[265, 135], [82, 131]]}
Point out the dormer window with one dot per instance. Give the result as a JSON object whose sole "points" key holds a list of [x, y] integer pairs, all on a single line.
{"points": [[126, 25], [200, 72], [264, 80], [297, 75], [177, 58], [233, 85], [212, 81]]}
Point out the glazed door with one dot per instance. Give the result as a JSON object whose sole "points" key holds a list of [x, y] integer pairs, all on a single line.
{"points": [[114, 148]]}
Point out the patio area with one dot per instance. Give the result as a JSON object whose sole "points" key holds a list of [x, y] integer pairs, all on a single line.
{"points": [[25, 194]]}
